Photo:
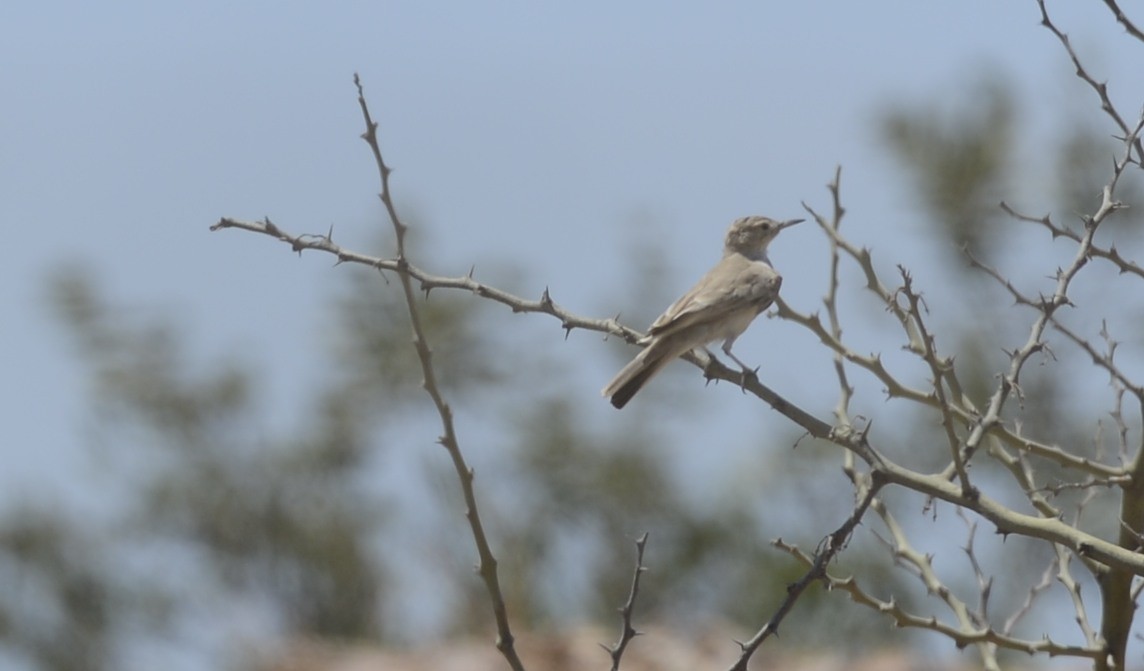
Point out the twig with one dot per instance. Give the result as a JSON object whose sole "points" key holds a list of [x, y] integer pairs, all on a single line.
{"points": [[488, 563], [1035, 590], [627, 632], [940, 367], [921, 565], [984, 583], [845, 389], [1065, 578], [827, 551], [1129, 27], [1125, 266], [960, 636], [1100, 87]]}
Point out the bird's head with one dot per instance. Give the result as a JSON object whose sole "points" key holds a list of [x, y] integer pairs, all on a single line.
{"points": [[751, 235]]}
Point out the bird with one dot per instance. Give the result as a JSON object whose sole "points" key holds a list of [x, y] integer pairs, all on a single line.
{"points": [[719, 307]]}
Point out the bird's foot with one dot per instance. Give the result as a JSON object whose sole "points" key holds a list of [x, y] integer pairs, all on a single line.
{"points": [[744, 372], [709, 361]]}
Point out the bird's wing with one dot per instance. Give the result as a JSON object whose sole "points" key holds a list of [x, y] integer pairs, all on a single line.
{"points": [[733, 284]]}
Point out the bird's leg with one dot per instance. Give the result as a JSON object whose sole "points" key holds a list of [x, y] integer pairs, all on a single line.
{"points": [[745, 369]]}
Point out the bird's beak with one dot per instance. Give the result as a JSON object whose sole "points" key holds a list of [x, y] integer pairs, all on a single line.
{"points": [[790, 222]]}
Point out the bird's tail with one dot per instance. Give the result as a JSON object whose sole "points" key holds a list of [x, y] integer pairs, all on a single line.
{"points": [[639, 370]]}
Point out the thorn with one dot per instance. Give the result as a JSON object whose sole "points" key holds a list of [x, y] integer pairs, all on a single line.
{"points": [[546, 298], [330, 234], [472, 269], [614, 327]]}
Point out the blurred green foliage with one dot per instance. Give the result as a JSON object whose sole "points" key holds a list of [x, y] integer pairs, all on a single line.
{"points": [[960, 161]]}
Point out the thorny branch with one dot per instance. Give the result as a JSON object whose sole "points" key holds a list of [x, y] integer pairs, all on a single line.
{"points": [[1101, 88], [1124, 21], [627, 631], [827, 551], [845, 390], [545, 305], [962, 637], [488, 563], [921, 566]]}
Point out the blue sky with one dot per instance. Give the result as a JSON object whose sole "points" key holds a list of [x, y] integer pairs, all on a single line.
{"points": [[519, 131], [524, 131]]}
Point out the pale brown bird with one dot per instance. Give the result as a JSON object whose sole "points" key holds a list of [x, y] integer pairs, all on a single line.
{"points": [[720, 307]]}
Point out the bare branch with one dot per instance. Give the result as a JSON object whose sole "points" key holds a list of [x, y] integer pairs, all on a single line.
{"points": [[960, 637], [827, 550], [1129, 27], [922, 566], [1065, 578], [1101, 359], [865, 261], [1110, 254], [984, 583], [1019, 468], [488, 563], [1101, 88], [568, 320], [939, 369], [1014, 439], [627, 632], [1036, 590]]}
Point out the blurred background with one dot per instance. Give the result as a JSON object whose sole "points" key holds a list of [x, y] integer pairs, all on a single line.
{"points": [[214, 448]]}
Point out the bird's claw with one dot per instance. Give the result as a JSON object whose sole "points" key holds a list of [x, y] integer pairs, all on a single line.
{"points": [[743, 373], [709, 369]]}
